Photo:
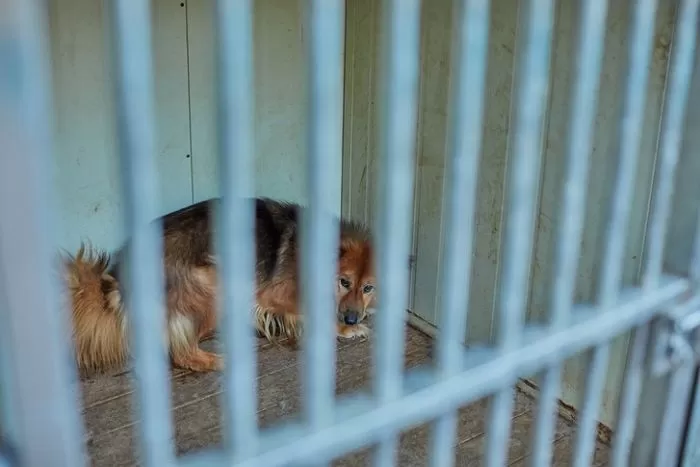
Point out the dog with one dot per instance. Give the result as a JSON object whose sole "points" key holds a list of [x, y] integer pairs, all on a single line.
{"points": [[100, 324]]}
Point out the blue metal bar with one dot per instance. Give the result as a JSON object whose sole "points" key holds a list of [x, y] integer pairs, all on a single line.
{"points": [[320, 228], [400, 87], [37, 361], [572, 215], [691, 450], [632, 120], [470, 62], [671, 133], [359, 420], [694, 269], [131, 28], [675, 415], [237, 253], [675, 105], [8, 412], [691, 455], [522, 195], [40, 371]]}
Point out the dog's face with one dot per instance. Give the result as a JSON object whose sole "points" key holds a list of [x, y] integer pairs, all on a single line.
{"points": [[356, 288]]}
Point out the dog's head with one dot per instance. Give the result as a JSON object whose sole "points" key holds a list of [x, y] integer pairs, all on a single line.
{"points": [[356, 286]]}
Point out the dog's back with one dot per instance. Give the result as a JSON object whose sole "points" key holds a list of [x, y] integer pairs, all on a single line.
{"points": [[189, 237]]}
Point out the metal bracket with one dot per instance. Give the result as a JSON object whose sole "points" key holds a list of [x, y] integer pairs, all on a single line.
{"points": [[676, 336]]}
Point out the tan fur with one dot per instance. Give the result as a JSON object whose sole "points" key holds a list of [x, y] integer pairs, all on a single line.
{"points": [[99, 322], [100, 326], [275, 327]]}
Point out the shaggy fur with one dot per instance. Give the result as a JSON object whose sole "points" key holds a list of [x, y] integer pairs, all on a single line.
{"points": [[99, 320]]}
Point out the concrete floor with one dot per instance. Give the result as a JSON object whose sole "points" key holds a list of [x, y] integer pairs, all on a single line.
{"points": [[196, 410]]}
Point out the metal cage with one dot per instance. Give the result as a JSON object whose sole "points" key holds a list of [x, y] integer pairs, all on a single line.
{"points": [[40, 410]]}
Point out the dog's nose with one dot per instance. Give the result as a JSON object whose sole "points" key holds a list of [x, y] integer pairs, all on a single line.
{"points": [[350, 318]]}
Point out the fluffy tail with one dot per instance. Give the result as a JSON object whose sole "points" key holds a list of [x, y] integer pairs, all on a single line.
{"points": [[99, 319]]}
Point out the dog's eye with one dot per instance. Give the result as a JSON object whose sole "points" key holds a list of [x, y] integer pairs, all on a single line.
{"points": [[344, 282], [368, 289]]}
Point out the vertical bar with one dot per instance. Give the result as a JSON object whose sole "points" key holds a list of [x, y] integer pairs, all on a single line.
{"points": [[583, 111], [691, 443], [632, 120], [131, 29], [235, 132], [470, 63], [8, 412], [691, 456], [522, 191], [400, 88], [682, 61], [48, 430], [694, 269], [320, 228], [675, 415]]}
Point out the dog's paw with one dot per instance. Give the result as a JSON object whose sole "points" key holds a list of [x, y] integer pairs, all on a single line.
{"points": [[351, 332]]}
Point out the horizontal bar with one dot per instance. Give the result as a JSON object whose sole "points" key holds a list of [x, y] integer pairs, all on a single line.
{"points": [[39, 371], [234, 41], [677, 90], [320, 228], [131, 29], [359, 419], [401, 56], [461, 172]]}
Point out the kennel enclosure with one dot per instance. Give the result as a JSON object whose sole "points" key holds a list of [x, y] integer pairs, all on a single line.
{"points": [[534, 162]]}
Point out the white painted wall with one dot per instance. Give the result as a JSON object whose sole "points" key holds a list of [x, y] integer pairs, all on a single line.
{"points": [[280, 96], [87, 173], [360, 160]]}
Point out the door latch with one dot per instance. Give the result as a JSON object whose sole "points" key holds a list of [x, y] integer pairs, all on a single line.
{"points": [[676, 336]]}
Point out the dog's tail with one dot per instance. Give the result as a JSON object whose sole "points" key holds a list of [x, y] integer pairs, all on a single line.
{"points": [[100, 333]]}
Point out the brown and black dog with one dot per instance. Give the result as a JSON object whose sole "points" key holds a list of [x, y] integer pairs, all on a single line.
{"points": [[100, 324]]}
